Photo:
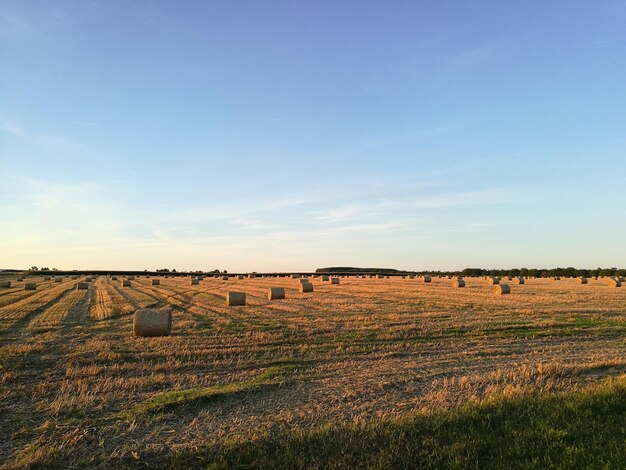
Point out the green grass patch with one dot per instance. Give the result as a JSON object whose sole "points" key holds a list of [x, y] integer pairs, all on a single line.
{"points": [[168, 400], [570, 430]]}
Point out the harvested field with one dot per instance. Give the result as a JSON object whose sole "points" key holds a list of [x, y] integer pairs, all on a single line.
{"points": [[362, 361]]}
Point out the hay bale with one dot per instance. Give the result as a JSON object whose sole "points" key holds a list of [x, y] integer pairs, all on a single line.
{"points": [[58, 279], [156, 282], [458, 283], [82, 286], [89, 279], [518, 280], [411, 277], [149, 322], [557, 278], [303, 281], [131, 278], [276, 293], [582, 280], [30, 286], [20, 279], [125, 283], [501, 289], [5, 283], [195, 282], [334, 280], [224, 278], [306, 287], [325, 278], [46, 278], [240, 276], [426, 278], [620, 278], [493, 281], [295, 276], [613, 282], [235, 298]]}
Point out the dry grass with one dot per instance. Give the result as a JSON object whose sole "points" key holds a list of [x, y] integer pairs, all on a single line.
{"points": [[77, 387]]}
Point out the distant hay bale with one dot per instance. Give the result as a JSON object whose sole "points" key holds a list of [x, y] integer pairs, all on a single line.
{"points": [[325, 278], [403, 277], [195, 282], [582, 280], [518, 280], [82, 286], [20, 279], [46, 278], [275, 293], [306, 287], [58, 279], [380, 276], [334, 280], [303, 281], [493, 280], [235, 298], [411, 277], [251, 276], [150, 322], [224, 278], [501, 289], [114, 278], [131, 278], [156, 282], [240, 276], [620, 278], [613, 282], [5, 283], [426, 278], [295, 276], [125, 283], [458, 283], [557, 278], [30, 286], [89, 279]]}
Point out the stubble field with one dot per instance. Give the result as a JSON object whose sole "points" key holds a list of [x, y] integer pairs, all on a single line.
{"points": [[370, 372]]}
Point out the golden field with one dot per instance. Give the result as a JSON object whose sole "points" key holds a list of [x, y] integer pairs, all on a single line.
{"points": [[78, 389]]}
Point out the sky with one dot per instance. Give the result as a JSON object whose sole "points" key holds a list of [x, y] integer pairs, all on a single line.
{"points": [[292, 135]]}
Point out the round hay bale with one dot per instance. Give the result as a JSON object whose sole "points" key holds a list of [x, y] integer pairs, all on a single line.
{"points": [[5, 283], [156, 282], [501, 289], [493, 281], [582, 280], [303, 281], [557, 278], [30, 286], [325, 278], [613, 282], [235, 298], [131, 278], [89, 279], [274, 293], [295, 276], [458, 283], [224, 278], [58, 279], [150, 322], [46, 278], [334, 280], [306, 287], [426, 278], [519, 280], [82, 286], [125, 283], [195, 282], [240, 276]]}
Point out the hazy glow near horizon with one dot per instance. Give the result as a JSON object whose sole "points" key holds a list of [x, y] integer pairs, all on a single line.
{"points": [[294, 135]]}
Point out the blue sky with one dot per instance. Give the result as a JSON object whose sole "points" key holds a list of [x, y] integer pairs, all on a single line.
{"points": [[294, 135]]}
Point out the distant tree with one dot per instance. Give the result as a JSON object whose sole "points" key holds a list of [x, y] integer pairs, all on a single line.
{"points": [[34, 268]]}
